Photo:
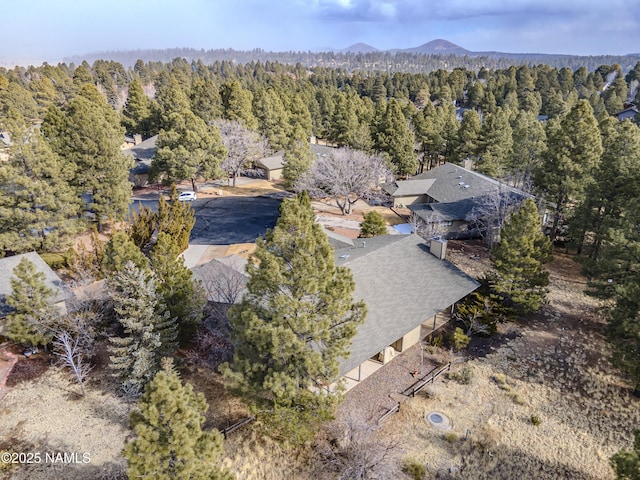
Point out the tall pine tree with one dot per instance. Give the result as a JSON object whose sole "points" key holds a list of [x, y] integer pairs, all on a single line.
{"points": [[518, 260], [38, 209], [149, 333], [182, 296], [574, 150], [31, 300], [170, 443], [296, 321]]}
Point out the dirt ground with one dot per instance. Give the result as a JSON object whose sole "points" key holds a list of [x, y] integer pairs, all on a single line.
{"points": [[549, 369]]}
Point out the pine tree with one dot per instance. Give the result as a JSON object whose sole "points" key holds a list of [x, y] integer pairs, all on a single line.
{"points": [[176, 219], [181, 294], [574, 150], [626, 464], [187, 149], [395, 140], [170, 443], [372, 225], [119, 251], [466, 145], [616, 180], [136, 115], [149, 331], [38, 209], [272, 117], [518, 260], [495, 144], [142, 226], [296, 321], [297, 160], [205, 100], [344, 121], [529, 144], [31, 300], [87, 135], [236, 104]]}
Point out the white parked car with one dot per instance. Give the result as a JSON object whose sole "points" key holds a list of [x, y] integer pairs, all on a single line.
{"points": [[188, 196]]}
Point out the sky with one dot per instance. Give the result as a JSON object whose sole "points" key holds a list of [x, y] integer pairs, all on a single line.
{"points": [[46, 30]]}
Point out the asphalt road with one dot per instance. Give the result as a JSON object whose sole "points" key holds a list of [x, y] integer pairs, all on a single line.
{"points": [[228, 220]]}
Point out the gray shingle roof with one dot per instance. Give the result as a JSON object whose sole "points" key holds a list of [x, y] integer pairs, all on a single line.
{"points": [[403, 285], [453, 183], [222, 277], [404, 188], [443, 212], [274, 162], [7, 264], [143, 154]]}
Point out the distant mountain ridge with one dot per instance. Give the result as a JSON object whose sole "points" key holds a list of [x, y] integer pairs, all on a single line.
{"points": [[433, 55]]}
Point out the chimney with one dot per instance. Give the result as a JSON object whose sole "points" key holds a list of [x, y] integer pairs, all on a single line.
{"points": [[137, 139], [438, 248]]}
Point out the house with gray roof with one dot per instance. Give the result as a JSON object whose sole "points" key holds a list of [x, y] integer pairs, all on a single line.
{"points": [[406, 289], [272, 165], [52, 280], [224, 279], [628, 113], [142, 153], [451, 196]]}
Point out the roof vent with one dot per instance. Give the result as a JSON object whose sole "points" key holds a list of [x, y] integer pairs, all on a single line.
{"points": [[467, 186], [345, 256], [461, 183]]}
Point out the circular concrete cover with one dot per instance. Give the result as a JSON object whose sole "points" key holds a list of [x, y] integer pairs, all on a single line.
{"points": [[439, 420]]}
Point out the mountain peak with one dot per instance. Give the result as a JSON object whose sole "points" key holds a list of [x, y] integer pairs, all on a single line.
{"points": [[439, 46], [359, 48]]}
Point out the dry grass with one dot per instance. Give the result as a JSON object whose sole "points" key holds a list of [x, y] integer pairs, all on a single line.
{"points": [[554, 369], [47, 415]]}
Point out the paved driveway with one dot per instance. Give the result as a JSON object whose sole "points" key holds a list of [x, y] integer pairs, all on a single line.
{"points": [[228, 220]]}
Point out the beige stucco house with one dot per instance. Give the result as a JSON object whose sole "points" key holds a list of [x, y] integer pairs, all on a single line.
{"points": [[409, 292]]}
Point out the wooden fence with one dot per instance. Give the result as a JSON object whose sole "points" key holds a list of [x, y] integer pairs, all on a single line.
{"points": [[237, 425], [390, 412], [424, 381]]}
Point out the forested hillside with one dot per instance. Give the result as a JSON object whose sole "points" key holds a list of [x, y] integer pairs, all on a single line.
{"points": [[552, 131]]}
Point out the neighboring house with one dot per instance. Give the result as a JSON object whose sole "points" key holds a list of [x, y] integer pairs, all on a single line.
{"points": [[52, 280], [409, 293], [450, 195], [224, 279], [272, 166], [627, 113], [143, 154]]}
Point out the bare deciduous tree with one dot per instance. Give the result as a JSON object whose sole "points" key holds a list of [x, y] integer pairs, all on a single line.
{"points": [[70, 353], [346, 176], [356, 453], [491, 210], [243, 146], [433, 229]]}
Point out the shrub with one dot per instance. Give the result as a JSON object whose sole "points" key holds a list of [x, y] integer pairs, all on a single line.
{"points": [[436, 341], [451, 437], [536, 420], [459, 339], [372, 225], [517, 399], [55, 260], [414, 469], [501, 381], [463, 377]]}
